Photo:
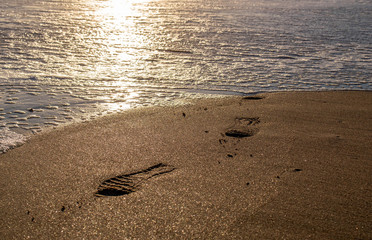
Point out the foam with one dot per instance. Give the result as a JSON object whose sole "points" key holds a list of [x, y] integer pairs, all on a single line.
{"points": [[10, 139]]}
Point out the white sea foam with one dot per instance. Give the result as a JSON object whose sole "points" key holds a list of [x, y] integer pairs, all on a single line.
{"points": [[10, 139]]}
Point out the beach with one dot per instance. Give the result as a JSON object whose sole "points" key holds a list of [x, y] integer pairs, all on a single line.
{"points": [[285, 165]]}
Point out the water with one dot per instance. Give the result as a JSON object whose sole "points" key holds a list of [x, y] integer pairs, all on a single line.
{"points": [[73, 60]]}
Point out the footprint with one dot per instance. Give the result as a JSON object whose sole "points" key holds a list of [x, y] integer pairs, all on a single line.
{"points": [[253, 98], [244, 127], [128, 183]]}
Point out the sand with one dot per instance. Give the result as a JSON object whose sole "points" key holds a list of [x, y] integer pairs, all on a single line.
{"points": [[293, 165]]}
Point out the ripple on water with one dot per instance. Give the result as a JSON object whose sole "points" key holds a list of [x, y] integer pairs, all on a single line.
{"points": [[51, 123], [32, 116], [51, 107], [12, 91], [33, 93], [19, 112], [60, 121], [12, 125], [50, 117], [22, 119]]}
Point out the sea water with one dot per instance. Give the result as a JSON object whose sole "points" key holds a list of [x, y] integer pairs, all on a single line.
{"points": [[73, 60]]}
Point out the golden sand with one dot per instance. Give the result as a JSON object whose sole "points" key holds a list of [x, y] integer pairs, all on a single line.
{"points": [[282, 165]]}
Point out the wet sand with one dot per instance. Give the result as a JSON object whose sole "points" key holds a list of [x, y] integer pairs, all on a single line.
{"points": [[278, 166]]}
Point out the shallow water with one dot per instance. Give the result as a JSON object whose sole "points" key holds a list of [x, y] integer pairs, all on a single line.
{"points": [[64, 61]]}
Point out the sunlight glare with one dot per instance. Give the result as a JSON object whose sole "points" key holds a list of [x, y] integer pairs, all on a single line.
{"points": [[122, 44], [119, 10]]}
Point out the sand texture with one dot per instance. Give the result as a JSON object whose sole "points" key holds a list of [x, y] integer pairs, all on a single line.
{"points": [[276, 166]]}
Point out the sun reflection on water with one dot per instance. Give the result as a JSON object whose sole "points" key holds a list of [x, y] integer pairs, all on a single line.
{"points": [[117, 18], [121, 102], [122, 44]]}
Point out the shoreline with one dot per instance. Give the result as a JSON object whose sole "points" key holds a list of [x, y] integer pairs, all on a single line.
{"points": [[290, 165], [15, 138]]}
